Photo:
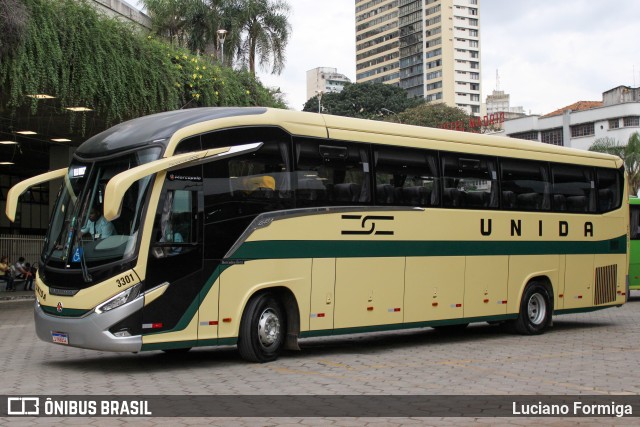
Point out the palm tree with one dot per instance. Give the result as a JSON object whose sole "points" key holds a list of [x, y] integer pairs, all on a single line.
{"points": [[630, 155], [168, 19], [265, 30]]}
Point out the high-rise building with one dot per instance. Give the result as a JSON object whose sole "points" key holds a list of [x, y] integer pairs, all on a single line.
{"points": [[430, 48], [325, 80]]}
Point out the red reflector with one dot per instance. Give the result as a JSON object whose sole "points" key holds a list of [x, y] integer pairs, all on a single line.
{"points": [[486, 300], [156, 325], [504, 301], [623, 293], [227, 320], [434, 304], [561, 295], [396, 309], [579, 296], [320, 314], [213, 322], [458, 305], [369, 308]]}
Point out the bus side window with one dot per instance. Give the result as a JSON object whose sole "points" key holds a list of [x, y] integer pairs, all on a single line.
{"points": [[406, 177], [331, 173], [469, 181], [574, 187], [525, 185], [176, 223], [609, 187]]}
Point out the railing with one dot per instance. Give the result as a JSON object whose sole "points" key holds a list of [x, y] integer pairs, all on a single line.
{"points": [[15, 246]]}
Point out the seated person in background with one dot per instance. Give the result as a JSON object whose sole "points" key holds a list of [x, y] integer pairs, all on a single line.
{"points": [[5, 273], [97, 226], [23, 271]]}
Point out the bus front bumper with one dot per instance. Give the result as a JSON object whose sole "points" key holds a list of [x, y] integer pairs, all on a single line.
{"points": [[90, 331]]}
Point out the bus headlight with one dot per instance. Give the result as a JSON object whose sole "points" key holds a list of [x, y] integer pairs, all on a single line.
{"points": [[120, 299]]}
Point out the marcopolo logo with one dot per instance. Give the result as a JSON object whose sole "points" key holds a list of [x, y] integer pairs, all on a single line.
{"points": [[23, 406]]}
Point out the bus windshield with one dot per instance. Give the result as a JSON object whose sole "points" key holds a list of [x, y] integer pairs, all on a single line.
{"points": [[79, 236]]}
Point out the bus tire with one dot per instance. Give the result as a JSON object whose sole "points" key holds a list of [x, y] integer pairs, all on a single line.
{"points": [[535, 310], [262, 329]]}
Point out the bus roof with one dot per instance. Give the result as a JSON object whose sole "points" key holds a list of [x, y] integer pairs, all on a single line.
{"points": [[168, 128]]}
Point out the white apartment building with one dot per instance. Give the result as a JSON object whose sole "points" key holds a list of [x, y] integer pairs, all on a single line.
{"points": [[325, 80], [430, 48], [578, 125]]}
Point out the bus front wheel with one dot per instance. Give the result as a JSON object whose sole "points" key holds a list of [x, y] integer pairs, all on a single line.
{"points": [[262, 329], [535, 310]]}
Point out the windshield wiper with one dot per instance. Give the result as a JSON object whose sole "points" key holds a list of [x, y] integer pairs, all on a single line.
{"points": [[83, 264]]}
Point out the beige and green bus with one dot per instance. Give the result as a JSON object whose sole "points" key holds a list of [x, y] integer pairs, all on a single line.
{"points": [[256, 227]]}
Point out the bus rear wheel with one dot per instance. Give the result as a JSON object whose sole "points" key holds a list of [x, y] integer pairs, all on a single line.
{"points": [[535, 310], [262, 329]]}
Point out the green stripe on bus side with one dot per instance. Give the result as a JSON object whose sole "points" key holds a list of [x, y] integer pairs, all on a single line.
{"points": [[191, 311], [399, 326], [280, 249], [583, 309], [171, 345]]}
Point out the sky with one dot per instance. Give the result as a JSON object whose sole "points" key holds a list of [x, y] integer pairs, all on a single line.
{"points": [[548, 53]]}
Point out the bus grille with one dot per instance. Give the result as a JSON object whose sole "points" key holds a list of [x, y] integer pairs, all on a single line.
{"points": [[606, 281]]}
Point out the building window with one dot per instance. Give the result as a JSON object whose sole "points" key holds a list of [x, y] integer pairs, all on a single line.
{"points": [[473, 11], [475, 97], [475, 86], [529, 136], [474, 76], [473, 43], [473, 33], [434, 97], [586, 129], [631, 121], [473, 22], [614, 123], [553, 137]]}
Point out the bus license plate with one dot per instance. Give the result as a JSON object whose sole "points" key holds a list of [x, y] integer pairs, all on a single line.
{"points": [[60, 337]]}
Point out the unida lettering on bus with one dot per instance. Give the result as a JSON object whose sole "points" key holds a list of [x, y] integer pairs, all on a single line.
{"points": [[517, 226]]}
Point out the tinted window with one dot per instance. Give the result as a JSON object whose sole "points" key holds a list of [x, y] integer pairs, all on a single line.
{"points": [[331, 173], [525, 185], [573, 188], [609, 183], [406, 177], [469, 181]]}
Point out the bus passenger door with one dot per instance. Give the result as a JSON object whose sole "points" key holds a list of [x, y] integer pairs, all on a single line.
{"points": [[176, 258]]}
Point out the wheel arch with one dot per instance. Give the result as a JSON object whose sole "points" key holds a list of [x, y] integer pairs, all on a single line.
{"points": [[290, 305], [544, 281]]}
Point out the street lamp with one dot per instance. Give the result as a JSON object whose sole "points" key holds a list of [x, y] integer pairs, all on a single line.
{"points": [[319, 92], [222, 34]]}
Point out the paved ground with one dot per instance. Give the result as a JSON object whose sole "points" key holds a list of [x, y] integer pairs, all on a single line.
{"points": [[590, 354]]}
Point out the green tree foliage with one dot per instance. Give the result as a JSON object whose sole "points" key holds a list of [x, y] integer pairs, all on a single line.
{"points": [[257, 30], [83, 58], [374, 101], [630, 155], [437, 115]]}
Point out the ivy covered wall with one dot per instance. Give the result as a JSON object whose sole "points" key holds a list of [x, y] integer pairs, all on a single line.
{"points": [[85, 59]]}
